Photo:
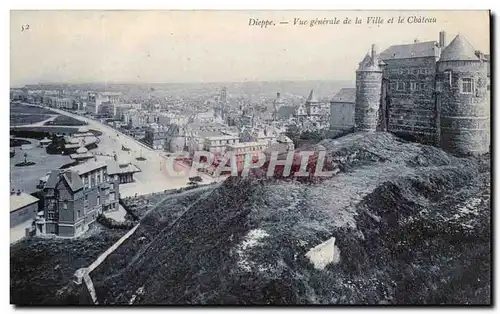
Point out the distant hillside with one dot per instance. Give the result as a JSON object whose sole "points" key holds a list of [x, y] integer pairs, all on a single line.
{"points": [[322, 88], [412, 225]]}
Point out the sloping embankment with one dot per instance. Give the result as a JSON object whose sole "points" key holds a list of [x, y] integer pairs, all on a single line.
{"points": [[412, 224]]}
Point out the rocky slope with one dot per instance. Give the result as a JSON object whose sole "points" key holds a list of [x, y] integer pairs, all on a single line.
{"points": [[412, 225]]}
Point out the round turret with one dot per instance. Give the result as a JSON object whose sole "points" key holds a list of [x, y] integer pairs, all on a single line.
{"points": [[463, 99], [368, 93]]}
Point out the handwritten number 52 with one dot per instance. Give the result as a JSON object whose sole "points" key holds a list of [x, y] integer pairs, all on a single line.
{"points": [[25, 27]]}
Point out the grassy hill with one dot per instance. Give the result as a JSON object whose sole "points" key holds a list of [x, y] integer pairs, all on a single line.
{"points": [[412, 224]]}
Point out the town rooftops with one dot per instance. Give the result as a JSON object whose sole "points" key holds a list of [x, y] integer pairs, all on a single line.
{"points": [[247, 144], [221, 137], [407, 51], [459, 50], [18, 201], [110, 94], [345, 95], [88, 167]]}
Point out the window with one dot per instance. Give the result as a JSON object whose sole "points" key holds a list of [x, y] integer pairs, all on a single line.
{"points": [[392, 86], [92, 182], [439, 86], [86, 181], [98, 179], [98, 200], [413, 86], [400, 86], [467, 86], [65, 205], [414, 71]]}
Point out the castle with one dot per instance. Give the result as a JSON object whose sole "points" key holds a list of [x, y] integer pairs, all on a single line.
{"points": [[429, 92]]}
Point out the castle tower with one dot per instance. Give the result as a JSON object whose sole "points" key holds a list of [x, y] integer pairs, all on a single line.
{"points": [[368, 93], [463, 101]]}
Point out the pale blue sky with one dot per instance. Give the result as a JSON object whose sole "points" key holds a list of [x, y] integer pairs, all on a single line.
{"points": [[207, 46]]}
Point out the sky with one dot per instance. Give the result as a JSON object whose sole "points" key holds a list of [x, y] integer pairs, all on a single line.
{"points": [[213, 46]]}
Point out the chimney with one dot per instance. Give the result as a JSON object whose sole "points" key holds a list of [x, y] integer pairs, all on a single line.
{"points": [[442, 39], [12, 192], [374, 53], [18, 192]]}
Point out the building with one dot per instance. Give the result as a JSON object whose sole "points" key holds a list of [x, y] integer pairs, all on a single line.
{"points": [[65, 103], [342, 109], [246, 147], [23, 207], [155, 136], [312, 106], [123, 171], [430, 92], [81, 154], [73, 198], [94, 100], [45, 142], [218, 143]]}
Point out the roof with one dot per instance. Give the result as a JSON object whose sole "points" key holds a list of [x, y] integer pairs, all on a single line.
{"points": [[83, 129], [415, 50], [285, 111], [311, 98], [221, 137], [88, 166], [45, 140], [73, 179], [115, 168], [459, 50], [52, 179], [20, 201], [367, 64], [82, 156], [82, 150], [247, 144], [345, 95]]}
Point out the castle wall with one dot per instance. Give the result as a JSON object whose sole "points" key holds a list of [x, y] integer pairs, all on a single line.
{"points": [[465, 125], [368, 93], [410, 100]]}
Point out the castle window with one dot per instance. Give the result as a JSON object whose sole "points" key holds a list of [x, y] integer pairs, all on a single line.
{"points": [[400, 86], [414, 71], [467, 86], [413, 86]]}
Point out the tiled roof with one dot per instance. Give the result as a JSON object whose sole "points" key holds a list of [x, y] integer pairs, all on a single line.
{"points": [[459, 49], [73, 179], [415, 50], [88, 166], [368, 65], [52, 180], [20, 201], [345, 95]]}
